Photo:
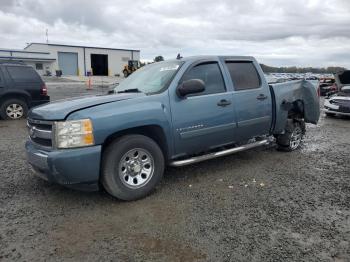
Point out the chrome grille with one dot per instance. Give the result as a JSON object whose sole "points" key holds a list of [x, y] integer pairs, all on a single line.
{"points": [[40, 132]]}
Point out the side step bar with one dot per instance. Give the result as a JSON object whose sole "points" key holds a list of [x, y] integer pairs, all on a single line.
{"points": [[225, 152]]}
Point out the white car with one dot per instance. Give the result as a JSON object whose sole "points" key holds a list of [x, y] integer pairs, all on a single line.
{"points": [[339, 104]]}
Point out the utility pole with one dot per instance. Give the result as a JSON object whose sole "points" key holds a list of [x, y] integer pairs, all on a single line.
{"points": [[47, 36]]}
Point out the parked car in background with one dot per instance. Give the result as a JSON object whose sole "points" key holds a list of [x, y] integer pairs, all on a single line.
{"points": [[311, 78], [327, 86], [21, 88], [339, 103], [177, 113]]}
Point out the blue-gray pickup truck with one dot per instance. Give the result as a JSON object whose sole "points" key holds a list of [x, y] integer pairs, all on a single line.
{"points": [[176, 112]]}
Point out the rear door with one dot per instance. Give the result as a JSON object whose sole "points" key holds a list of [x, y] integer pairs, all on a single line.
{"points": [[2, 83], [252, 99], [25, 78], [204, 120]]}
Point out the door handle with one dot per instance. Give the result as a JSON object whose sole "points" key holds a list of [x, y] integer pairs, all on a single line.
{"points": [[261, 97], [223, 103]]}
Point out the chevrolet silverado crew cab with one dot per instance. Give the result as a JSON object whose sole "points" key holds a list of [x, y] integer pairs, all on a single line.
{"points": [[176, 113], [21, 88]]}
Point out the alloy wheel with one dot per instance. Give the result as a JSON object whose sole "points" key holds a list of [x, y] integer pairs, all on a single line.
{"points": [[14, 111], [136, 168]]}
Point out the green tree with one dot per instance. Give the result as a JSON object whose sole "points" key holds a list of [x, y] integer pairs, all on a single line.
{"points": [[294, 69], [158, 58]]}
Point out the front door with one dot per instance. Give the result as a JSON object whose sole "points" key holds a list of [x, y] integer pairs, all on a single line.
{"points": [[204, 120]]}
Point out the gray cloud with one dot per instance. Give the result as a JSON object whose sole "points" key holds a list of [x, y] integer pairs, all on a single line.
{"points": [[278, 32]]}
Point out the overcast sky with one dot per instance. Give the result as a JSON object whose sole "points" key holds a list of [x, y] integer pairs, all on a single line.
{"points": [[276, 32]]}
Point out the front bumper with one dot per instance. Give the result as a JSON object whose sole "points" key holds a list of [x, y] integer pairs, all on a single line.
{"points": [[75, 168], [336, 109], [329, 111]]}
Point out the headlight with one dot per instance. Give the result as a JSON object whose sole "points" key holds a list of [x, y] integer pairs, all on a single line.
{"points": [[75, 133]]}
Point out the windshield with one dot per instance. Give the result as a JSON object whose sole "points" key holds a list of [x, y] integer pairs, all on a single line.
{"points": [[151, 78]]}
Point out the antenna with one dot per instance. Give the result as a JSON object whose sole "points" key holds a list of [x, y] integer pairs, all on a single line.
{"points": [[47, 36]]}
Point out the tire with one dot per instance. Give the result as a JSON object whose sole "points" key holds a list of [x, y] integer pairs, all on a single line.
{"points": [[13, 109], [126, 74], [292, 138], [132, 166], [330, 114]]}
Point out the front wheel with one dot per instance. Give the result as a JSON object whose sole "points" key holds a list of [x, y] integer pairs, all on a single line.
{"points": [[293, 136], [132, 167]]}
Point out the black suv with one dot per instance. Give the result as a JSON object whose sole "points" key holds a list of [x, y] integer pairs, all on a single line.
{"points": [[21, 88]]}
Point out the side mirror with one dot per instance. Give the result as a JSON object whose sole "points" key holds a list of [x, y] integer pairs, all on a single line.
{"points": [[191, 86]]}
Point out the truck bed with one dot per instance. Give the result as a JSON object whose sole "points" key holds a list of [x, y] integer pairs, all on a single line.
{"points": [[286, 95]]}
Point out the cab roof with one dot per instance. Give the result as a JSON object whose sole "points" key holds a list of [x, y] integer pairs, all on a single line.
{"points": [[213, 57]]}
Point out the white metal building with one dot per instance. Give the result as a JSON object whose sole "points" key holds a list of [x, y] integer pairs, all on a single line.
{"points": [[72, 60], [39, 60]]}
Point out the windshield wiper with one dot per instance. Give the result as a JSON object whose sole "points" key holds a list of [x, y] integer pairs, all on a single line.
{"points": [[131, 90]]}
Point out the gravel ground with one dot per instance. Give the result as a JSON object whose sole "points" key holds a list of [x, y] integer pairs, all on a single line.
{"points": [[258, 205]]}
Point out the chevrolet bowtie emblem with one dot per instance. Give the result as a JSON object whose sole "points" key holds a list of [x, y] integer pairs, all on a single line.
{"points": [[32, 131]]}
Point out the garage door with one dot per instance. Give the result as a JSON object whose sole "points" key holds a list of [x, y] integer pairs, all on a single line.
{"points": [[68, 63]]}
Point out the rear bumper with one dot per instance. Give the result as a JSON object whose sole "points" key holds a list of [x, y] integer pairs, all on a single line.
{"points": [[75, 168], [44, 100]]}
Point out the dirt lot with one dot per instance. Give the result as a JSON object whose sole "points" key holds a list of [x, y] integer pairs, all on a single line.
{"points": [[258, 205]]}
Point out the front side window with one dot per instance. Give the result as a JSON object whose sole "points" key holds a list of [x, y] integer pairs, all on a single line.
{"points": [[211, 75], [244, 75], [150, 79]]}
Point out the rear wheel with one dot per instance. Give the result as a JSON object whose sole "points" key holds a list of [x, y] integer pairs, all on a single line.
{"points": [[126, 74], [132, 167], [292, 138], [13, 109]]}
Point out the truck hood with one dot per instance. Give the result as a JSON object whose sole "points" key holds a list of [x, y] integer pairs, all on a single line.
{"points": [[60, 109]]}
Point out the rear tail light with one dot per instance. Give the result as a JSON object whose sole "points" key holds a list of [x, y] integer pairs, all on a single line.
{"points": [[44, 90], [318, 91]]}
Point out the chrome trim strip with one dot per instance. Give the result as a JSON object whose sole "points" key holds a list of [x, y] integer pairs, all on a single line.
{"points": [[43, 122], [218, 154], [207, 130], [254, 121], [40, 133]]}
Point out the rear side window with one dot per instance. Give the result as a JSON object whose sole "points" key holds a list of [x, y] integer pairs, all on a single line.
{"points": [[210, 73], [244, 75], [23, 74]]}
